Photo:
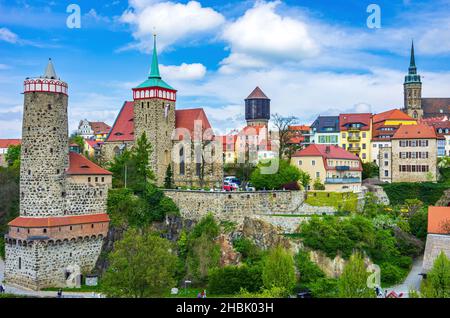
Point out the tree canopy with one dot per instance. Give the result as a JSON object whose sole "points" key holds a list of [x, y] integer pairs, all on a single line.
{"points": [[286, 173]]}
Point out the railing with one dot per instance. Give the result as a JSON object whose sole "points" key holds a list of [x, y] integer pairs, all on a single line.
{"points": [[342, 180], [354, 149], [342, 168], [354, 138]]}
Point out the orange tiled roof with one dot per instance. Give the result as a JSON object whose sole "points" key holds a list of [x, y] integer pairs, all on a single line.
{"points": [[437, 217], [5, 143], [80, 165], [257, 93], [419, 131], [299, 127], [100, 127], [59, 220], [185, 118], [393, 114]]}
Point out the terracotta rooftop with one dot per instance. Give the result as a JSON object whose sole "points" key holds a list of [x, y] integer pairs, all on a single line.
{"points": [[438, 220], [419, 131], [257, 94], [59, 220], [123, 127], [185, 118], [346, 119], [393, 114], [327, 152], [100, 127], [5, 143], [299, 127], [80, 165]]}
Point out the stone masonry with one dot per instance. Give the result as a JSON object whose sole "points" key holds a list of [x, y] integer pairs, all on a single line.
{"points": [[435, 244]]}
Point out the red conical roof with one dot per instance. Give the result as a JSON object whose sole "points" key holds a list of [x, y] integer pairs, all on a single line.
{"points": [[257, 94]]}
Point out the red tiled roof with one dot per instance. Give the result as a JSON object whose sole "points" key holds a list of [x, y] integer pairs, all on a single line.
{"points": [[420, 131], [298, 127], [438, 216], [334, 152], [59, 220], [123, 127], [80, 165], [257, 93], [185, 118], [296, 140], [393, 114], [363, 118], [100, 127], [5, 143], [90, 142]]}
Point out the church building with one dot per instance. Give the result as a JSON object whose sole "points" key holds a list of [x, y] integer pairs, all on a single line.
{"points": [[417, 106], [182, 138]]}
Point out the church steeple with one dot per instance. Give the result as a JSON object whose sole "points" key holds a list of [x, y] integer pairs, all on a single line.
{"points": [[154, 70], [412, 62]]}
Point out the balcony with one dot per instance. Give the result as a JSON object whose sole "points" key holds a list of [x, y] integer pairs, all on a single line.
{"points": [[342, 168], [342, 180], [354, 149], [354, 129], [354, 138]]}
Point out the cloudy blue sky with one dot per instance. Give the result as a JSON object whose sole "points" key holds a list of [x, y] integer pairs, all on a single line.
{"points": [[310, 57]]}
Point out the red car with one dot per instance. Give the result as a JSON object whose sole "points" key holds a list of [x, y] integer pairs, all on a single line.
{"points": [[228, 186]]}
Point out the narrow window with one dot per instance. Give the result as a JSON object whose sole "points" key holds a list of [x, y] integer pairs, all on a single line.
{"points": [[45, 231], [20, 262]]}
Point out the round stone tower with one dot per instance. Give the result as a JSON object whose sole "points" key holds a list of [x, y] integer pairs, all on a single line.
{"points": [[257, 108], [44, 156]]}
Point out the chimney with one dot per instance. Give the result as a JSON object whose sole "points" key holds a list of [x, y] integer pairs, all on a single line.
{"points": [[327, 149]]}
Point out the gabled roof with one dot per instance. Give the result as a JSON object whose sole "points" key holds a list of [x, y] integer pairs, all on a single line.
{"points": [[419, 131], [346, 119], [257, 93], [438, 216], [393, 114], [327, 152], [80, 165], [185, 118], [435, 107], [5, 143], [59, 220], [99, 127], [123, 127], [299, 127]]}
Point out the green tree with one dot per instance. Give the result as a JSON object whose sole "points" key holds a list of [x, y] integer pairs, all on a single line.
{"points": [[353, 281], [371, 206], [305, 179], [318, 185], [168, 180], [203, 252], [309, 271], [12, 156], [279, 270], [413, 206], [9, 200], [141, 265], [437, 283], [370, 170], [285, 174]]}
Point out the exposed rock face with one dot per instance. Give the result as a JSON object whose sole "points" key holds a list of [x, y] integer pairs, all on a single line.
{"points": [[415, 246], [114, 234], [172, 226], [263, 234], [332, 267], [445, 199], [379, 193], [228, 256]]}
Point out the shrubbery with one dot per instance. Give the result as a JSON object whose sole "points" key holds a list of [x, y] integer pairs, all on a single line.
{"points": [[427, 192], [286, 173], [231, 279]]}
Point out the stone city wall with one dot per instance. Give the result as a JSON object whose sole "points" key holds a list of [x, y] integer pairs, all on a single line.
{"points": [[41, 263], [234, 206], [435, 244], [86, 198]]}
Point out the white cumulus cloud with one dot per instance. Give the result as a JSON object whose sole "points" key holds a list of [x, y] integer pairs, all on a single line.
{"points": [[8, 36], [184, 71], [172, 22]]}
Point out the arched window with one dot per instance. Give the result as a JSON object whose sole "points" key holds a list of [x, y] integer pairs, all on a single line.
{"points": [[182, 164]]}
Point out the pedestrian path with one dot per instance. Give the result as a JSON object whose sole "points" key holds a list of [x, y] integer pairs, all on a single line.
{"points": [[412, 281]]}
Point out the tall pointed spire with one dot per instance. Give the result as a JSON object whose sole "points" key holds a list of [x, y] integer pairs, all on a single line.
{"points": [[154, 71], [412, 62], [50, 70]]}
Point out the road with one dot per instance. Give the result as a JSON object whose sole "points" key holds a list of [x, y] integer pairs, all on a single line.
{"points": [[16, 290], [412, 281]]}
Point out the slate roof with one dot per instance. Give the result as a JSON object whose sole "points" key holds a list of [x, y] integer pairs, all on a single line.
{"points": [[435, 107], [323, 122]]}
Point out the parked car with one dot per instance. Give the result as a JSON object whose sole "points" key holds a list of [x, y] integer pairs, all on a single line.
{"points": [[233, 179], [249, 187], [228, 186]]}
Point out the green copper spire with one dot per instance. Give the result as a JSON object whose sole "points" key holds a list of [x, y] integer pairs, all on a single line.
{"points": [[412, 62], [154, 71]]}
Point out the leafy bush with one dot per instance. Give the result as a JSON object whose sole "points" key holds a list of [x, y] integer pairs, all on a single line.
{"points": [[391, 274], [285, 174], [231, 279], [279, 270], [418, 224], [427, 192], [318, 185], [370, 170], [309, 271], [324, 288], [249, 251]]}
